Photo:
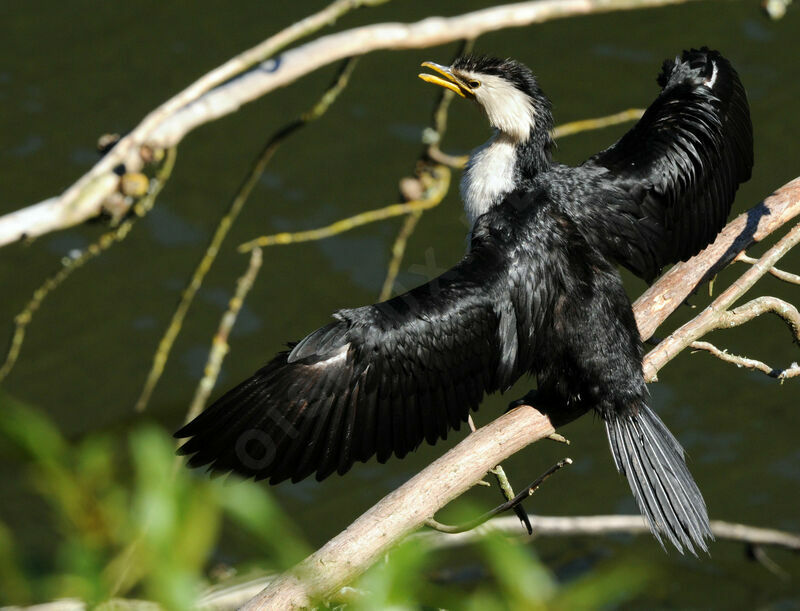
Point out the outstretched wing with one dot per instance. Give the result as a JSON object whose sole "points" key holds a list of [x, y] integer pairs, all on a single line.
{"points": [[378, 380], [677, 170]]}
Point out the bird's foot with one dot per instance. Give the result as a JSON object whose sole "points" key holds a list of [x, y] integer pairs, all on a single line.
{"points": [[529, 399], [536, 399]]}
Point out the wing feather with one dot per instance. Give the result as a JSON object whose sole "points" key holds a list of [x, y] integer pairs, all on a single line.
{"points": [[674, 175], [375, 382]]}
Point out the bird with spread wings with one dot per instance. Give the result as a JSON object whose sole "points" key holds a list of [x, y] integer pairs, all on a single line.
{"points": [[537, 293]]}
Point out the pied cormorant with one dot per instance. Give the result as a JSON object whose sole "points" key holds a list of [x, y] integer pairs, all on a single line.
{"points": [[537, 293]]}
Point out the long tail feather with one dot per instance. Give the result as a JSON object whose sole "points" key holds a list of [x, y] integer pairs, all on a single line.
{"points": [[652, 460]]}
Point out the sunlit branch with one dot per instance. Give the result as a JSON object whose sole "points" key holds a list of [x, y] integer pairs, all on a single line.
{"points": [[717, 316], [225, 89], [742, 361], [86, 197], [778, 273]]}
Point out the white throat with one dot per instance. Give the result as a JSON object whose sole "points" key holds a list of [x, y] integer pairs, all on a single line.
{"points": [[489, 175]]}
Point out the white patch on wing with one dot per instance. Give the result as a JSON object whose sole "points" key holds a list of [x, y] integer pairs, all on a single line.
{"points": [[337, 356], [710, 82], [489, 175]]}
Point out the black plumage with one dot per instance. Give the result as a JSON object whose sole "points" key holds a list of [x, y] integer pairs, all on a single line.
{"points": [[679, 168], [537, 293]]}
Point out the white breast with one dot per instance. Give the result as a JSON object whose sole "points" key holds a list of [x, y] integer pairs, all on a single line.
{"points": [[489, 175]]}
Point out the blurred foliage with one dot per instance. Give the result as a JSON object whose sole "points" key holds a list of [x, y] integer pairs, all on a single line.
{"points": [[137, 524], [132, 523], [516, 579]]}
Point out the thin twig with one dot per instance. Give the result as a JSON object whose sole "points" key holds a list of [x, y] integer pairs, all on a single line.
{"points": [[432, 136], [745, 313], [742, 361], [398, 250], [561, 131], [778, 273], [439, 184], [226, 222], [583, 125], [504, 484], [763, 305], [72, 263], [219, 345], [573, 526], [757, 554], [511, 503], [508, 492]]}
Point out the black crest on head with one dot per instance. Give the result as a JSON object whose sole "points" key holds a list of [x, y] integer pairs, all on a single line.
{"points": [[521, 77], [511, 70]]}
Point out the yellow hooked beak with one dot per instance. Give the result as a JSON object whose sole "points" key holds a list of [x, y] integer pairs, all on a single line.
{"points": [[451, 81]]}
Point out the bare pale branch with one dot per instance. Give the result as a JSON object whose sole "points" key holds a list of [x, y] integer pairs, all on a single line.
{"points": [[763, 305], [778, 273], [713, 316], [218, 93], [742, 361], [86, 197], [672, 289]]}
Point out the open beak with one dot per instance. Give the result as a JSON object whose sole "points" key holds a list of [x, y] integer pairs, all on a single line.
{"points": [[451, 81]]}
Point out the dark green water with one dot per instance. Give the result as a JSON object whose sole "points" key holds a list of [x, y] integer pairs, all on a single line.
{"points": [[72, 71]]}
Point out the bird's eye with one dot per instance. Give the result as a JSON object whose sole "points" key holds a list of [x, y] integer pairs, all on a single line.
{"points": [[474, 84]]}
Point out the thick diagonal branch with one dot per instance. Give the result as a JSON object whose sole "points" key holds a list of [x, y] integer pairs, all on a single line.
{"points": [[672, 289], [717, 315]]}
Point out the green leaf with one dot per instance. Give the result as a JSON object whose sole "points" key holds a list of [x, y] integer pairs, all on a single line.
{"points": [[605, 586], [523, 579], [254, 508], [31, 431]]}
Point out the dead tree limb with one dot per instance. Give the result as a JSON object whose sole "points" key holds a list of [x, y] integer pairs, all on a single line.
{"points": [[677, 284], [349, 554], [717, 315], [791, 371], [258, 71]]}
